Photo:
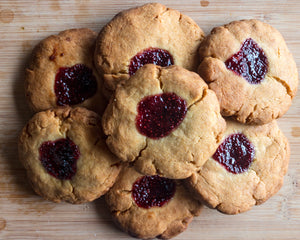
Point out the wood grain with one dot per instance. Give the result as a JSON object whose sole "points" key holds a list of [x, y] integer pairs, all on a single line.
{"points": [[23, 215]]}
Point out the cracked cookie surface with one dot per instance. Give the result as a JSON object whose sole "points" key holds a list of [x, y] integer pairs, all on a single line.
{"points": [[234, 193], [269, 61], [186, 148], [95, 169], [164, 222], [61, 72], [151, 26]]}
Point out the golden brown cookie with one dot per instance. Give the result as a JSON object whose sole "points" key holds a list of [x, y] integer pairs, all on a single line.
{"points": [[246, 170], [61, 72], [151, 206], [151, 33], [65, 155], [250, 68], [164, 119]]}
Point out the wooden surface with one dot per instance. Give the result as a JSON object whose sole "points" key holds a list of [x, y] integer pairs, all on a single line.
{"points": [[24, 215]]}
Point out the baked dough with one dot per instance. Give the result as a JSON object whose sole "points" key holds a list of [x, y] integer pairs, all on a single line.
{"points": [[234, 193], [187, 147], [149, 26], [163, 222], [68, 48], [249, 103], [97, 167]]}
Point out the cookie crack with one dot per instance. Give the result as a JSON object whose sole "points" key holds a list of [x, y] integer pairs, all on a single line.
{"points": [[161, 13], [234, 36], [158, 172], [106, 62], [247, 118], [96, 142], [30, 70], [28, 133], [219, 136], [62, 121], [141, 151], [260, 181], [126, 191], [122, 212], [211, 188], [180, 17], [204, 93], [106, 182], [185, 222], [284, 84], [250, 115], [117, 164], [193, 162], [212, 55], [161, 85], [73, 193]]}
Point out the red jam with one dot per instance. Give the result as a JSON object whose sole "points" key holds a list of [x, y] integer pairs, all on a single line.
{"points": [[155, 56], [153, 191], [236, 153], [59, 158], [250, 62], [159, 115], [75, 84]]}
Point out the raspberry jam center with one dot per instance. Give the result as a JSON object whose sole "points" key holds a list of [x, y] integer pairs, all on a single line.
{"points": [[75, 84], [159, 115], [155, 56], [236, 153], [151, 191], [59, 158], [250, 62]]}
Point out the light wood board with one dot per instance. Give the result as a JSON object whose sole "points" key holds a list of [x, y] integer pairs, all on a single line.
{"points": [[24, 215]]}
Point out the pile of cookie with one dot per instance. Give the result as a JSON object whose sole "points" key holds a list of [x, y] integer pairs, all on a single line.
{"points": [[159, 117]]}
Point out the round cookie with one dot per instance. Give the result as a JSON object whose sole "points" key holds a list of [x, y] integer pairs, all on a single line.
{"points": [[151, 206], [65, 155], [250, 68], [151, 33], [246, 170], [164, 119], [61, 72]]}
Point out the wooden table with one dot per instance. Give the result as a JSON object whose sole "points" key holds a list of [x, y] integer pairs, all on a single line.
{"points": [[24, 215]]}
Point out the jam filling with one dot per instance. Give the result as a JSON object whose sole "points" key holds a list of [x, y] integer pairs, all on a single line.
{"points": [[250, 62], [59, 158], [236, 153], [153, 191], [75, 84], [159, 115], [155, 56]]}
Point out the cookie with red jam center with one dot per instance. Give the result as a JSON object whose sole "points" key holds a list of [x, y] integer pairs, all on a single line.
{"points": [[73, 85], [159, 115], [61, 72], [155, 56], [250, 62], [65, 155], [149, 206], [149, 34], [59, 157], [151, 191], [235, 153], [246, 170], [165, 120], [251, 70]]}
